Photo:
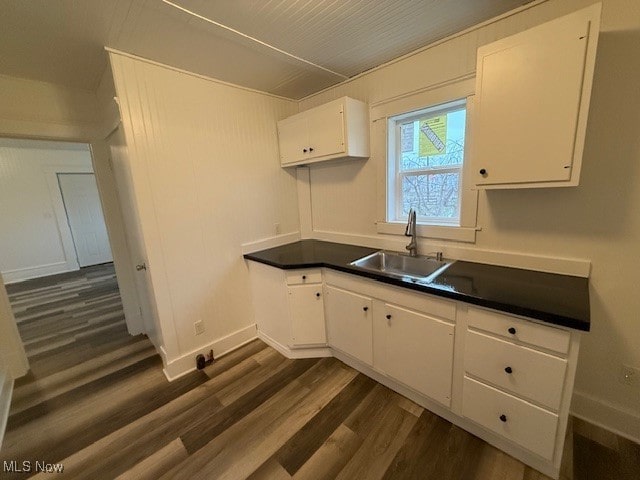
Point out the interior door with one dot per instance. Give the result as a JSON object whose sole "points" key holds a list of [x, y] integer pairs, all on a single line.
{"points": [[84, 214], [133, 233]]}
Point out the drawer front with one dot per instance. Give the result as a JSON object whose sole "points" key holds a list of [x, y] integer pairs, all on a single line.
{"points": [[300, 277], [532, 374], [523, 423], [516, 329]]}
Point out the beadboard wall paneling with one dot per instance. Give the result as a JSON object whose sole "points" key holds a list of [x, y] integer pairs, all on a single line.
{"points": [[597, 220], [207, 179], [35, 239]]}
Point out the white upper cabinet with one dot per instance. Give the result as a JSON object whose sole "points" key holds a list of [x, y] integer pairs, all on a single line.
{"points": [[337, 129], [532, 102]]}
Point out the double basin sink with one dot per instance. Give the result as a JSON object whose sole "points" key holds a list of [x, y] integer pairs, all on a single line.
{"points": [[419, 269]]}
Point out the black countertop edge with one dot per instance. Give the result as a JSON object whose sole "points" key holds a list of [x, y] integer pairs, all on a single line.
{"points": [[445, 291]]}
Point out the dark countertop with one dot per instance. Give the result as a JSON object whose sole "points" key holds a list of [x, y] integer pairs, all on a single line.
{"points": [[556, 299]]}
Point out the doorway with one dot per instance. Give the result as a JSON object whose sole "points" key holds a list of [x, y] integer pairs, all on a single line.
{"points": [[85, 218], [55, 251]]}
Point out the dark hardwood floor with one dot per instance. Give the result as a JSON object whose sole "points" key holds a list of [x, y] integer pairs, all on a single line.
{"points": [[97, 402]]}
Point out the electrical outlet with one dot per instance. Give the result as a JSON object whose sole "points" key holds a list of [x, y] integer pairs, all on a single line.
{"points": [[629, 375], [198, 327]]}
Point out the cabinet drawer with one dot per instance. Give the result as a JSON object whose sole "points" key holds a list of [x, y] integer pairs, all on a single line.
{"points": [[532, 374], [523, 423], [299, 277], [515, 329]]}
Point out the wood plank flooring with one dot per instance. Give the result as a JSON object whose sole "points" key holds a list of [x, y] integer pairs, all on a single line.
{"points": [[97, 402]]}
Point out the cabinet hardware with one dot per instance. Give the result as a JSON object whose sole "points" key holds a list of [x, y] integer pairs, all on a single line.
{"points": [[388, 317], [311, 149], [304, 150], [508, 370], [365, 308], [483, 171], [503, 418], [140, 267], [318, 294], [512, 330], [304, 277]]}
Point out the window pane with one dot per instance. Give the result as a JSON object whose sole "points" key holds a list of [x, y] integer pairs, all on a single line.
{"points": [[406, 137], [435, 195], [440, 141]]}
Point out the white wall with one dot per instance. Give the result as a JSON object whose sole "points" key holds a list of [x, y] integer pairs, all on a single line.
{"points": [[35, 239], [38, 109], [597, 220], [206, 176]]}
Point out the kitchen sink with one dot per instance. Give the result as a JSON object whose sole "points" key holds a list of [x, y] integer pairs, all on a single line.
{"points": [[420, 269]]}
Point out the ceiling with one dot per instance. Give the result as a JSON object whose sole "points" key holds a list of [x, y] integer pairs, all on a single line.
{"points": [[302, 46]]}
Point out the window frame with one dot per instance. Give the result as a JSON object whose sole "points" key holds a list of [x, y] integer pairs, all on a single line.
{"points": [[439, 94], [395, 175]]}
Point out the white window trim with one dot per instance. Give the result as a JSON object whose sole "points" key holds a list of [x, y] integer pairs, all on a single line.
{"points": [[380, 114]]}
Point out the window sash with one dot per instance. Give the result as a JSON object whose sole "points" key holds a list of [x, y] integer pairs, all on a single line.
{"points": [[400, 174], [399, 198]]}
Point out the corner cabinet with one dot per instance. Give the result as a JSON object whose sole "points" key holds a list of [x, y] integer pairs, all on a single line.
{"points": [[306, 307], [338, 129], [532, 102], [289, 310]]}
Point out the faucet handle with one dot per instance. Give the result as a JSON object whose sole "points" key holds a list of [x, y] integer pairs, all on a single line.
{"points": [[409, 230]]}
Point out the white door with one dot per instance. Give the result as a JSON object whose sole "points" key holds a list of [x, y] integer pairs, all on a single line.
{"points": [[326, 130], [349, 323], [307, 315], [124, 184], [416, 350], [84, 212]]}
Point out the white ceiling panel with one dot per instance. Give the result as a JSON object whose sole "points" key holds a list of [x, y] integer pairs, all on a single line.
{"points": [[61, 41], [349, 36]]}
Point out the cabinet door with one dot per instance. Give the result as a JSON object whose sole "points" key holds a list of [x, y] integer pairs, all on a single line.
{"points": [[326, 130], [306, 310], [349, 323], [532, 101], [416, 350], [293, 139]]}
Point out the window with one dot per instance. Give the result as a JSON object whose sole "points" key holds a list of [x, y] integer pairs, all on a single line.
{"points": [[425, 161]]}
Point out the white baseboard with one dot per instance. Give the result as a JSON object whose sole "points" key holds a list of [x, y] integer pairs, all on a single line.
{"points": [[606, 415], [186, 363], [311, 352], [270, 242], [6, 390], [566, 266], [22, 274]]}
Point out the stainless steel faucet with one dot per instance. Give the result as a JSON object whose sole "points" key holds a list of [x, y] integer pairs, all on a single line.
{"points": [[410, 231]]}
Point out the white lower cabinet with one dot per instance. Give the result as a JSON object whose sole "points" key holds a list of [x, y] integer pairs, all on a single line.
{"points": [[306, 310], [506, 379], [414, 349], [289, 309], [349, 323]]}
